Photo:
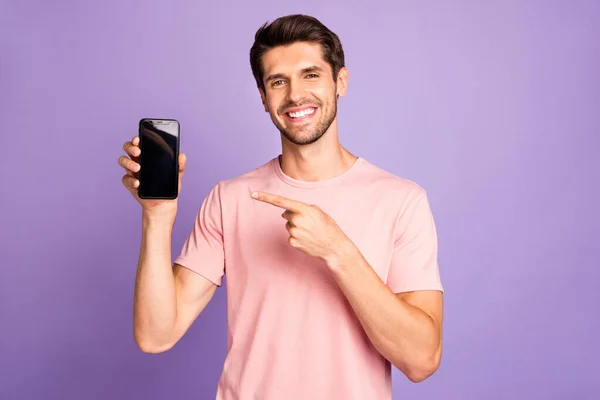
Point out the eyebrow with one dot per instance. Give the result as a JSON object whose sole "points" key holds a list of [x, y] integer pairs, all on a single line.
{"points": [[312, 68]]}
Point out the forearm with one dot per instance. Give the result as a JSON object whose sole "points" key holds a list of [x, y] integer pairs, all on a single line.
{"points": [[155, 302], [403, 334]]}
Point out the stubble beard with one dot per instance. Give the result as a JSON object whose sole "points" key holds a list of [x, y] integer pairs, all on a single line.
{"points": [[303, 138]]}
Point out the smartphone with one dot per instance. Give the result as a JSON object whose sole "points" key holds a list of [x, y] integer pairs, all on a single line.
{"points": [[159, 159]]}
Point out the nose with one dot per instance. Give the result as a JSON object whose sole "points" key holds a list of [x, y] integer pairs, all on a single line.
{"points": [[296, 91]]}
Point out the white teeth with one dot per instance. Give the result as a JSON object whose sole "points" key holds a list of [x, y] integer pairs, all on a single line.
{"points": [[303, 113]]}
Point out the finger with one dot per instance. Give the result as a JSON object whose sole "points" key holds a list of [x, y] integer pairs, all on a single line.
{"points": [[130, 182], [291, 216], [131, 149], [292, 230], [294, 242], [128, 164], [279, 201], [135, 141]]}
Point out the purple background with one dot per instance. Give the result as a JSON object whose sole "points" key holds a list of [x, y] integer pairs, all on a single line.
{"points": [[491, 106]]}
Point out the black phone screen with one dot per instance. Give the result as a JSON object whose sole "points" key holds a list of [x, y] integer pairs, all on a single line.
{"points": [[159, 167]]}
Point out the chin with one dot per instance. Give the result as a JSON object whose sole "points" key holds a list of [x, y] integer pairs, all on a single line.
{"points": [[302, 134], [302, 140]]}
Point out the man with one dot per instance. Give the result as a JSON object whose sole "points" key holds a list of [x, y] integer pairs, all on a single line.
{"points": [[331, 262]]}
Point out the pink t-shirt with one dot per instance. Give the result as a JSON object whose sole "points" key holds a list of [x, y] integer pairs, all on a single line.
{"points": [[291, 332]]}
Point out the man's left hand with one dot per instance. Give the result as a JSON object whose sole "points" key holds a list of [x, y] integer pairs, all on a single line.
{"points": [[311, 230]]}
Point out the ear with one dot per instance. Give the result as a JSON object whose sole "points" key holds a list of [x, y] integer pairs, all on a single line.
{"points": [[342, 82], [263, 99]]}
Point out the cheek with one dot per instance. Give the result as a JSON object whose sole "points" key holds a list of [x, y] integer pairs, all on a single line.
{"points": [[272, 108], [327, 95], [272, 104]]}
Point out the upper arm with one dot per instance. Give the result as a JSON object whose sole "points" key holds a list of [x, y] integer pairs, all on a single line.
{"points": [[414, 261], [194, 292], [204, 249], [199, 267], [414, 272]]}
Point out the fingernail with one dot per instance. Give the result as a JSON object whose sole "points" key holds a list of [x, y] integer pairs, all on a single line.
{"points": [[254, 195]]}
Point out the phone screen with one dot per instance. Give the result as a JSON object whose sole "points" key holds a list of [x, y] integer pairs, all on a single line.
{"points": [[159, 167]]}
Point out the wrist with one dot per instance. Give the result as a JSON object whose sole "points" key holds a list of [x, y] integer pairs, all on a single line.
{"points": [[342, 255], [154, 218]]}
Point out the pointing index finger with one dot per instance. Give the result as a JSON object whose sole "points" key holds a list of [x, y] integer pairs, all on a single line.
{"points": [[278, 201]]}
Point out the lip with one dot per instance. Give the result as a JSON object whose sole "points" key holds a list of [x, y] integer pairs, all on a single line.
{"points": [[296, 109]]}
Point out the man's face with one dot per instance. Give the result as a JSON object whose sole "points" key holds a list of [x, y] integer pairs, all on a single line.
{"points": [[300, 92]]}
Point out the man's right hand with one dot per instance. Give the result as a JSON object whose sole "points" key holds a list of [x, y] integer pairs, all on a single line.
{"points": [[131, 182]]}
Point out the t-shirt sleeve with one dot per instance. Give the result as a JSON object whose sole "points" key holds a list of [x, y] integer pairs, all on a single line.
{"points": [[203, 250], [414, 263]]}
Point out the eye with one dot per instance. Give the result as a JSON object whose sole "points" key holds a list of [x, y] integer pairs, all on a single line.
{"points": [[277, 83], [312, 76]]}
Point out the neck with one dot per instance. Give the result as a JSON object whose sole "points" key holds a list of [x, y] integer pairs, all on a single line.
{"points": [[324, 159]]}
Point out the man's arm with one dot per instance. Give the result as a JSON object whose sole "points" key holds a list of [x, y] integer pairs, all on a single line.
{"points": [[167, 300], [406, 328]]}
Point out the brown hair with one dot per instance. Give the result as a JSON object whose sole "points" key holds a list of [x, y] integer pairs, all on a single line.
{"points": [[290, 29]]}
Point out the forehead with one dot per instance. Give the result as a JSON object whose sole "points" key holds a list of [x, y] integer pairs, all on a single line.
{"points": [[291, 58]]}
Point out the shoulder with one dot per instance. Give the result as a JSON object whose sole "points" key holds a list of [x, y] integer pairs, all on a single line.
{"points": [[403, 198], [390, 185]]}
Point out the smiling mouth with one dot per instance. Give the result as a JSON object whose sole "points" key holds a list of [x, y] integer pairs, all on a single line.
{"points": [[302, 114]]}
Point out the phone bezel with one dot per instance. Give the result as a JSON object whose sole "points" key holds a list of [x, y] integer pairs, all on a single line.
{"points": [[142, 121]]}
